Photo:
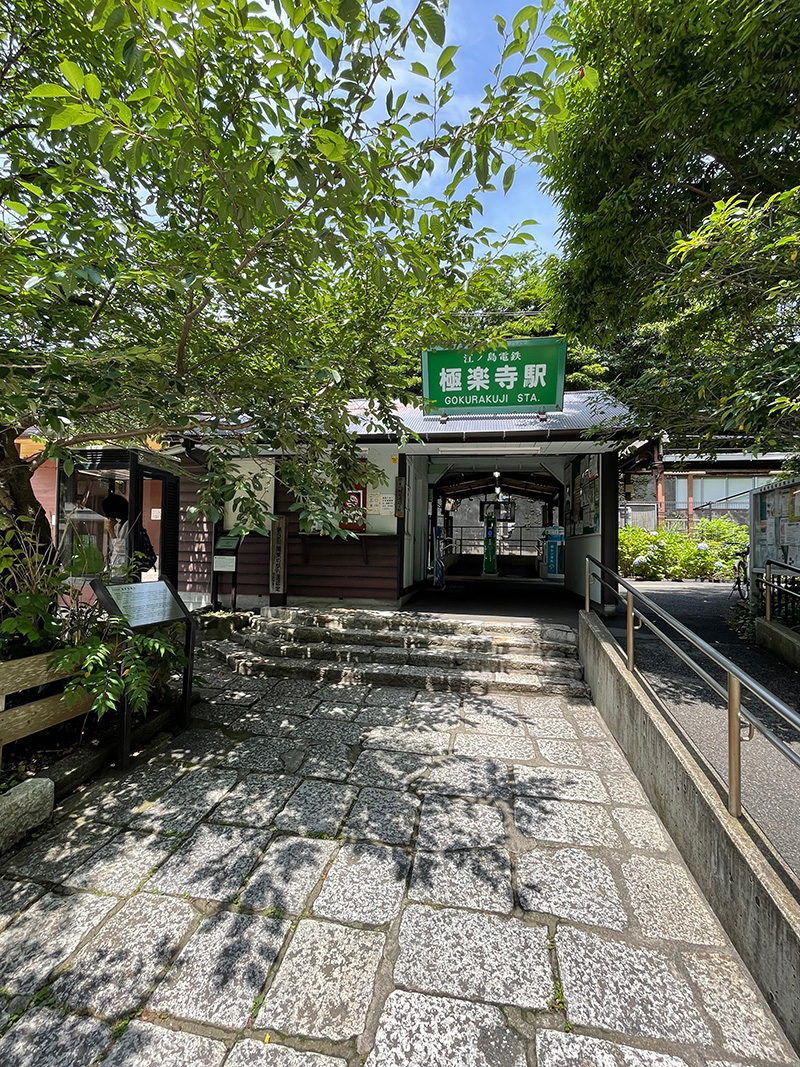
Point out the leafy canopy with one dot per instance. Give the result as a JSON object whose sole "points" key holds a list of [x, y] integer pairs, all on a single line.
{"points": [[677, 181], [213, 220]]}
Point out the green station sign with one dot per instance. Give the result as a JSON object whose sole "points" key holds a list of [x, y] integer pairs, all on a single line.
{"points": [[525, 376]]}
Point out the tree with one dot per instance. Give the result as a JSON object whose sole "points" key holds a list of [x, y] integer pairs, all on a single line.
{"points": [[210, 228], [678, 181]]}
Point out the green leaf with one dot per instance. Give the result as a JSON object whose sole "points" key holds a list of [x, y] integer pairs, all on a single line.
{"points": [[15, 206], [446, 57], [73, 73], [93, 86], [74, 115], [49, 90], [591, 79], [558, 33], [433, 22], [419, 68], [508, 178]]}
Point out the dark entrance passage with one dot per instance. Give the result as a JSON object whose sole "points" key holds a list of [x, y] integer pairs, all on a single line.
{"points": [[488, 598]]}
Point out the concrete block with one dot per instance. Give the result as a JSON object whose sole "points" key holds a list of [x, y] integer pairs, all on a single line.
{"points": [[779, 639], [23, 808], [757, 910]]}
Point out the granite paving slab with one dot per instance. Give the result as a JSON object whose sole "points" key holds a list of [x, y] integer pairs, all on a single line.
{"points": [[495, 746], [273, 724], [46, 1038], [389, 770], [365, 884], [222, 970], [557, 1049], [667, 904], [480, 879], [480, 957], [296, 689], [328, 761], [624, 789], [121, 866], [387, 696], [604, 756], [333, 709], [196, 747], [552, 726], [217, 714], [212, 864], [423, 1031], [325, 982], [287, 875], [269, 755], [114, 971], [333, 731], [343, 693], [231, 693], [431, 716], [378, 715], [15, 895], [590, 724], [295, 705], [406, 739], [641, 828], [729, 997], [145, 1045], [54, 855], [118, 799], [531, 705], [257, 1054], [384, 815], [185, 803], [571, 884], [255, 801], [545, 819], [467, 776], [484, 718], [45, 935], [564, 753], [615, 986], [317, 807], [562, 783], [450, 822]]}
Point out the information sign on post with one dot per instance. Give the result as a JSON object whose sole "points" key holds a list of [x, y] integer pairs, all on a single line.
{"points": [[525, 376], [140, 605]]}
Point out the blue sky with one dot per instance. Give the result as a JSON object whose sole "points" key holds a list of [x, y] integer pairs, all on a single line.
{"points": [[470, 24]]}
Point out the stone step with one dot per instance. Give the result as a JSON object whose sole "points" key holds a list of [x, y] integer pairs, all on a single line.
{"points": [[484, 644], [414, 623], [560, 666], [430, 678]]}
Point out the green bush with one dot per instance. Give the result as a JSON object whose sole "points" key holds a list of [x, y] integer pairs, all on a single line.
{"points": [[710, 551]]}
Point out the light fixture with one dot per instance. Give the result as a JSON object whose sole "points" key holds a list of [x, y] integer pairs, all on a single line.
{"points": [[542, 416], [497, 474]]}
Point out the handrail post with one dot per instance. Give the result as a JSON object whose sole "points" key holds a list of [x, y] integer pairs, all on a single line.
{"points": [[734, 747], [630, 620], [588, 599], [768, 591]]}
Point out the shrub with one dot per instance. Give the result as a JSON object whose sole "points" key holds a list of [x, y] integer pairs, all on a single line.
{"points": [[710, 551]]}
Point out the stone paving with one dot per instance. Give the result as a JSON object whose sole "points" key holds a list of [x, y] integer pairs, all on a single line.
{"points": [[334, 876]]}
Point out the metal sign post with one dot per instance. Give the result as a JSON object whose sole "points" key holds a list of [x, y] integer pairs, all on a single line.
{"points": [[141, 605]]}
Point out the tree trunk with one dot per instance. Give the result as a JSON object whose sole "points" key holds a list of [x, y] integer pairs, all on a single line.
{"points": [[17, 499]]}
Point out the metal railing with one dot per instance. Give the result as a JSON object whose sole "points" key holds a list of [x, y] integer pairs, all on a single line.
{"points": [[781, 592], [522, 541], [730, 693]]}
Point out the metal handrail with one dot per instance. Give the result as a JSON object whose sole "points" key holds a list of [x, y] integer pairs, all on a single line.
{"points": [[769, 585], [736, 677]]}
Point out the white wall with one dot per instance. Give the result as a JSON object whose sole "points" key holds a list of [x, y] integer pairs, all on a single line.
{"points": [[383, 522]]}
